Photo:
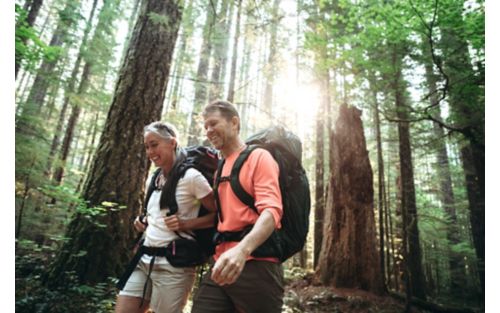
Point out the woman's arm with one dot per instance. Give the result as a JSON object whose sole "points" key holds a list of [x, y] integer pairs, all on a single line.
{"points": [[175, 224]]}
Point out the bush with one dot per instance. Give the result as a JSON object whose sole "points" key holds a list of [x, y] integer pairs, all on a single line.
{"points": [[32, 296]]}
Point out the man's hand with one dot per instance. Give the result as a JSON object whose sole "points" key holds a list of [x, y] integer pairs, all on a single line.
{"points": [[140, 226], [174, 223], [229, 266]]}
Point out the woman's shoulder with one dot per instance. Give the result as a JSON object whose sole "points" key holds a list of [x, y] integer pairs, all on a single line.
{"points": [[192, 175]]}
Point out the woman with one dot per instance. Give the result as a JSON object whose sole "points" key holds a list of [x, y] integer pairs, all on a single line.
{"points": [[154, 282]]}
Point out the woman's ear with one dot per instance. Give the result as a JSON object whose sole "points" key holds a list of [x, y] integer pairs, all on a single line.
{"points": [[173, 142]]}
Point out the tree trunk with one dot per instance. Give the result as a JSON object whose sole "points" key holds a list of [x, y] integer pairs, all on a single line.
{"points": [[466, 99], [70, 128], [200, 87], [457, 271], [99, 246], [181, 60], [393, 233], [90, 151], [106, 17], [34, 8], [70, 90], [381, 181], [319, 209], [348, 256], [409, 206], [41, 84], [232, 77], [132, 19], [221, 41], [476, 206], [270, 65]]}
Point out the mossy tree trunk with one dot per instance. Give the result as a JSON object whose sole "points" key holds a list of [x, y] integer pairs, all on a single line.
{"points": [[99, 246]]}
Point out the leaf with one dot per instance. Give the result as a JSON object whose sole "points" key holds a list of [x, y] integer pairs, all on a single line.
{"points": [[109, 204]]}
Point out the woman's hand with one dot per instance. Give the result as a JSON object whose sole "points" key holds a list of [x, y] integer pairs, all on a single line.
{"points": [[139, 225], [174, 223]]}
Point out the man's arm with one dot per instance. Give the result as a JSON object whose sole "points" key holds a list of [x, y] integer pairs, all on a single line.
{"points": [[230, 264]]}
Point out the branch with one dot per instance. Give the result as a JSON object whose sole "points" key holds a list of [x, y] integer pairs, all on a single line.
{"points": [[426, 117]]}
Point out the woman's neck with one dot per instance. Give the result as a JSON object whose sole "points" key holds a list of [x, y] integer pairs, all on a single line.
{"points": [[167, 167]]}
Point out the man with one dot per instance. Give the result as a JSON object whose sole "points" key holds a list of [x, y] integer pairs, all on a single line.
{"points": [[238, 281]]}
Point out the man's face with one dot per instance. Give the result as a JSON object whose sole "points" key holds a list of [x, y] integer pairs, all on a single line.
{"points": [[219, 130]]}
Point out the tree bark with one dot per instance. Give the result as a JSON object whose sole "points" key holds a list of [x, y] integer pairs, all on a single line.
{"points": [[232, 77], [466, 99], [70, 90], [457, 269], [221, 42], [99, 246], [319, 210], [270, 65], [381, 181], [41, 84], [34, 8], [200, 93], [409, 206], [348, 256]]}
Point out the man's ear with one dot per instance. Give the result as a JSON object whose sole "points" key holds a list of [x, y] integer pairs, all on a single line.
{"points": [[235, 121]]}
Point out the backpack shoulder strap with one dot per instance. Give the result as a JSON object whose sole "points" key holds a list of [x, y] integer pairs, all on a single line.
{"points": [[238, 190], [220, 165], [151, 188], [168, 199]]}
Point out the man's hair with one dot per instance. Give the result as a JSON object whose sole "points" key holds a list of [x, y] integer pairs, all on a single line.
{"points": [[226, 109]]}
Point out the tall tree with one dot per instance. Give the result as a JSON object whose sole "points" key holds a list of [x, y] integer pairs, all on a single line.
{"points": [[98, 247], [70, 89], [234, 58], [182, 59], [221, 45], [200, 87], [32, 7], [382, 205], [271, 59], [68, 17], [95, 51], [457, 269], [348, 256], [466, 97], [409, 206]]}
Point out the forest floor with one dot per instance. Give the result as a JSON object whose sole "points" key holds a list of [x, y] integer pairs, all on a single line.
{"points": [[301, 295]]}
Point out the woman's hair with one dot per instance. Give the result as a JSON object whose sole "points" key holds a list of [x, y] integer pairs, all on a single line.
{"points": [[162, 129], [165, 131]]}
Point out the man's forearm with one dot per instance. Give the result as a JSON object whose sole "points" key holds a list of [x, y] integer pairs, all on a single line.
{"points": [[263, 228]]}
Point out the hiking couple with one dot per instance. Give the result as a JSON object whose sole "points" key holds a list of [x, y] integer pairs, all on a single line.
{"points": [[237, 281]]}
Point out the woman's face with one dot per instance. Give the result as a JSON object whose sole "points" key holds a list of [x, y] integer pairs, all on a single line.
{"points": [[159, 150]]}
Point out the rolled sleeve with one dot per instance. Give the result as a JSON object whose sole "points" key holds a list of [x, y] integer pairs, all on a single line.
{"points": [[266, 187]]}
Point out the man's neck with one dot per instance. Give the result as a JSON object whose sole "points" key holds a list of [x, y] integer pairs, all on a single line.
{"points": [[232, 147]]}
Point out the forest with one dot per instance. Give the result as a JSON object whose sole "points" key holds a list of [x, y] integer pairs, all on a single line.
{"points": [[386, 96]]}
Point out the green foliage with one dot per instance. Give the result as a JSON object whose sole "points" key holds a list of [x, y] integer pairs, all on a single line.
{"points": [[29, 48], [32, 295], [160, 19]]}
